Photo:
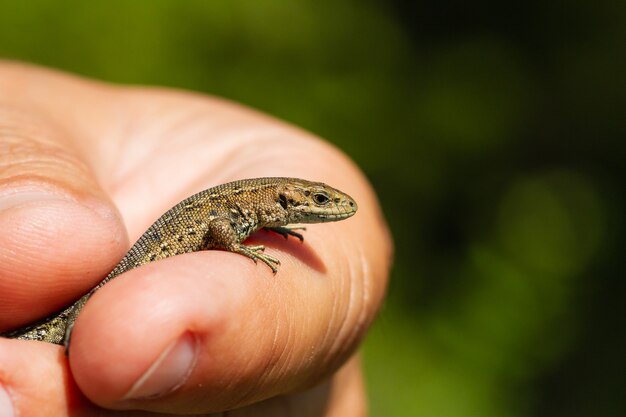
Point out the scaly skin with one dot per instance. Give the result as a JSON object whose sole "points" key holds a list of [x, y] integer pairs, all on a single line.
{"points": [[221, 217]]}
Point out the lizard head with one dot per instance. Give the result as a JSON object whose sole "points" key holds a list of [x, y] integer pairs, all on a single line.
{"points": [[314, 202]]}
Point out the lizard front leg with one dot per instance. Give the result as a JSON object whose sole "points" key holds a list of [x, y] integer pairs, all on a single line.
{"points": [[286, 231], [222, 235]]}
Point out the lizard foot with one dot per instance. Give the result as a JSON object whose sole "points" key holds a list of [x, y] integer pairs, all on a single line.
{"points": [[255, 253], [286, 231]]}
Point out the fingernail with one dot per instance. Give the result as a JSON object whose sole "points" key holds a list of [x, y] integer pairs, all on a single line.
{"points": [[169, 371], [6, 405]]}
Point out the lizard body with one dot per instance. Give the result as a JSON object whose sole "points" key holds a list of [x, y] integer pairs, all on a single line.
{"points": [[221, 217]]}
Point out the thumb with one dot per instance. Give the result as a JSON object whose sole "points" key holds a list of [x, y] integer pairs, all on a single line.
{"points": [[59, 232]]}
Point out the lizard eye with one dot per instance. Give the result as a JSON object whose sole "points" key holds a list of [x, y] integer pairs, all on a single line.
{"points": [[320, 198]]}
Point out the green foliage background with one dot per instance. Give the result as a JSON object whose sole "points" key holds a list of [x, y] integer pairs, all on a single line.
{"points": [[494, 134]]}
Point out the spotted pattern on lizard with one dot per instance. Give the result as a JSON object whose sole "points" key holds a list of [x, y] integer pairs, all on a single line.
{"points": [[221, 217]]}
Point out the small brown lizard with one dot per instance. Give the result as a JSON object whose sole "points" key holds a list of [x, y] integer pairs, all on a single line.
{"points": [[221, 217]]}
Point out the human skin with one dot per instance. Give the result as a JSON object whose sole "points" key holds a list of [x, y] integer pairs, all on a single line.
{"points": [[85, 168]]}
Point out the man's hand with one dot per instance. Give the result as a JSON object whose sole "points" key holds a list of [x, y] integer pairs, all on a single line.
{"points": [[83, 165]]}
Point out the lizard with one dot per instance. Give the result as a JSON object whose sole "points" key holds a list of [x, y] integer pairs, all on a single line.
{"points": [[220, 217]]}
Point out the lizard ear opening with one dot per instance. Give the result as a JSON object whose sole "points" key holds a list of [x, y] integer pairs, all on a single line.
{"points": [[283, 201]]}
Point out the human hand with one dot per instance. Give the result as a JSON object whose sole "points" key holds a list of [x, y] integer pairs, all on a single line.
{"points": [[83, 165]]}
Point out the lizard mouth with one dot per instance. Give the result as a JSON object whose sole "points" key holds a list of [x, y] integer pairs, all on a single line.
{"points": [[321, 215], [337, 216]]}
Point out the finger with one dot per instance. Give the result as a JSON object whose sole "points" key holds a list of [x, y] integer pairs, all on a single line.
{"points": [[35, 380], [59, 232], [212, 331]]}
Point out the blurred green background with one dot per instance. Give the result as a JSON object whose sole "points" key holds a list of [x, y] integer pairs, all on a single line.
{"points": [[494, 135]]}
